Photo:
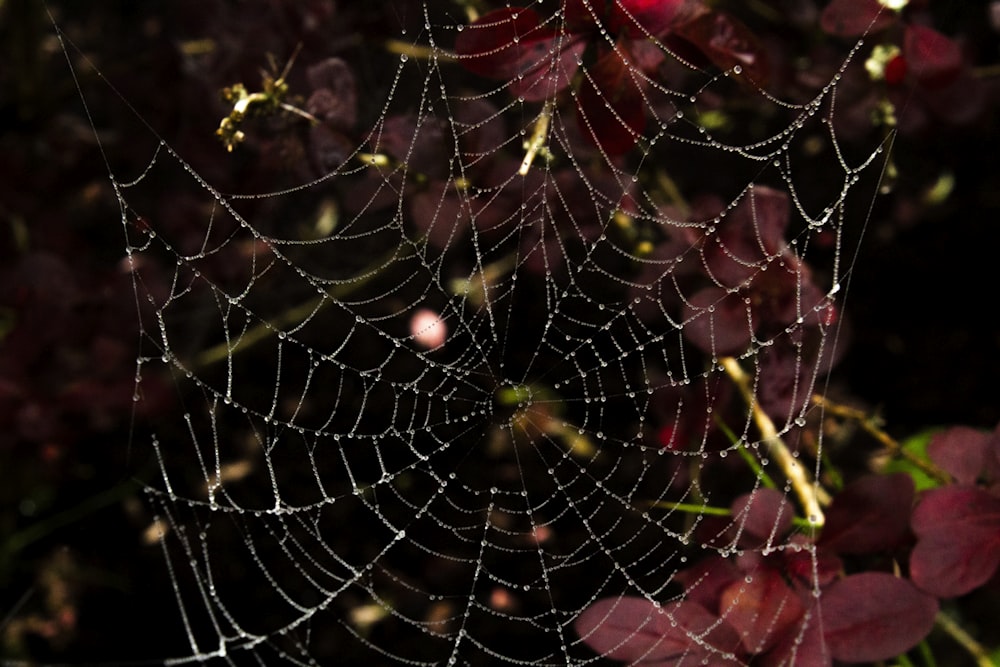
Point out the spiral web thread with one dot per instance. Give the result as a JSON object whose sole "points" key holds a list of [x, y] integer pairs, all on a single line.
{"points": [[340, 486]]}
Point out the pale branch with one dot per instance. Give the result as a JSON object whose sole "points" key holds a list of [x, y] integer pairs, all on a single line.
{"points": [[809, 492]]}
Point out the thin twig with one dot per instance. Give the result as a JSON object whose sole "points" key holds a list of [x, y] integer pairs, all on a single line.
{"points": [[291, 317], [870, 426], [418, 51], [809, 492]]}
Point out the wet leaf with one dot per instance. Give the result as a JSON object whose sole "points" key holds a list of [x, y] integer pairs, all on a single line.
{"points": [[875, 616]]}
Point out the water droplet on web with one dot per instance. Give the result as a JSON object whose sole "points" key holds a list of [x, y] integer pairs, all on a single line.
{"points": [[403, 57]]}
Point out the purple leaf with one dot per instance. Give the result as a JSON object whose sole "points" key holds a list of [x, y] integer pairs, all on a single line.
{"points": [[611, 109], [875, 616], [335, 98], [717, 321], [871, 514], [727, 43], [705, 581], [962, 451], [802, 644], [853, 18], [633, 630], [760, 609], [441, 213], [514, 44], [765, 515], [753, 232], [958, 540], [933, 58]]}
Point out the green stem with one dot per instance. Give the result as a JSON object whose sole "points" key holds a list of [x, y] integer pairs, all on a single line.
{"points": [[42, 529], [746, 455], [926, 654], [693, 508], [965, 640]]}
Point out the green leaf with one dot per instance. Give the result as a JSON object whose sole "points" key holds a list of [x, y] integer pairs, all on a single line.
{"points": [[915, 445]]}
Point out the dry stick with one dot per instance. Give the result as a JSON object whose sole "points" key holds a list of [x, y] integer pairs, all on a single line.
{"points": [[418, 51], [869, 425], [809, 492]]}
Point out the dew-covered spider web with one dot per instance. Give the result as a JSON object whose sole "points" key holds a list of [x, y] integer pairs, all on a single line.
{"points": [[490, 329]]}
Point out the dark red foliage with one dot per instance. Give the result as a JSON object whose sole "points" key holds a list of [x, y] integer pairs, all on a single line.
{"points": [[757, 292], [764, 516], [958, 526], [637, 631], [762, 608], [334, 99], [958, 540], [875, 616], [760, 285], [870, 515], [728, 44], [515, 43], [611, 108], [928, 77], [766, 596], [969, 455], [933, 59], [540, 56], [859, 618], [853, 18], [67, 366]]}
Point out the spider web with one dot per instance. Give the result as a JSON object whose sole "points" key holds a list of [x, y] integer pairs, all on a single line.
{"points": [[458, 373]]}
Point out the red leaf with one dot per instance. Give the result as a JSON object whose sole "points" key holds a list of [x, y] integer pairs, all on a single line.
{"points": [[727, 43], [933, 58], [633, 630], [514, 44], [441, 213], [958, 540], [765, 515], [807, 567], [875, 616], [610, 105], [496, 44], [869, 515], [853, 18], [583, 15], [895, 70], [760, 610], [705, 581], [716, 322], [747, 236], [550, 73], [802, 644], [645, 18], [335, 98], [962, 451]]}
